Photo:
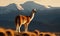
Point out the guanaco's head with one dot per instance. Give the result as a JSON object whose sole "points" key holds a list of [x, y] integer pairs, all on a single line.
{"points": [[34, 10]]}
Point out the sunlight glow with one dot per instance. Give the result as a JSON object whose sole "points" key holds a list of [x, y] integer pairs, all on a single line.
{"points": [[46, 3]]}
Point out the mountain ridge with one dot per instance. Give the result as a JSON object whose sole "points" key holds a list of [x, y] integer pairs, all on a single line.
{"points": [[44, 20]]}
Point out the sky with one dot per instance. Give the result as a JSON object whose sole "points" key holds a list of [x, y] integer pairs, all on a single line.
{"points": [[53, 3]]}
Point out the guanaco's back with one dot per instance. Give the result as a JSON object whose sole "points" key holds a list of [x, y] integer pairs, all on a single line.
{"points": [[20, 19]]}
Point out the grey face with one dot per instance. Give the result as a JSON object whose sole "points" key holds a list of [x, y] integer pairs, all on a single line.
{"points": [[35, 10]]}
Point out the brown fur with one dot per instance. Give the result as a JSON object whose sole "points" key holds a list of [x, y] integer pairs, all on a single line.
{"points": [[23, 20]]}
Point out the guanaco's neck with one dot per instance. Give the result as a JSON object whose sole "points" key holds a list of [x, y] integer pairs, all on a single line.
{"points": [[32, 15]]}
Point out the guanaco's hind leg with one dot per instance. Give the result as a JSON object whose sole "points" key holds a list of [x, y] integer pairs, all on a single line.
{"points": [[17, 23], [17, 27]]}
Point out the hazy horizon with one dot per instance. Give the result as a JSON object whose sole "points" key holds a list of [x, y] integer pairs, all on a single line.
{"points": [[46, 3]]}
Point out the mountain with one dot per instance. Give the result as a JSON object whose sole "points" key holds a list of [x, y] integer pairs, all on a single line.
{"points": [[46, 19], [8, 9], [29, 5]]}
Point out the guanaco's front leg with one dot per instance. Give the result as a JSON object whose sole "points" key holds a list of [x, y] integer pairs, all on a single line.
{"points": [[26, 27], [20, 27]]}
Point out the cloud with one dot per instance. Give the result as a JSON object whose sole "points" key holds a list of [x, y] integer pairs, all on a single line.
{"points": [[19, 7]]}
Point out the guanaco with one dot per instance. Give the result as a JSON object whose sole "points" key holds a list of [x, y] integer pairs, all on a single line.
{"points": [[24, 20]]}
